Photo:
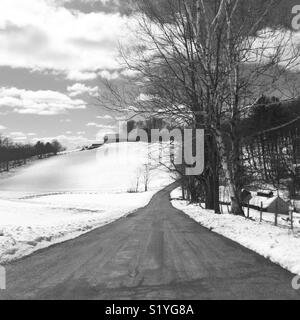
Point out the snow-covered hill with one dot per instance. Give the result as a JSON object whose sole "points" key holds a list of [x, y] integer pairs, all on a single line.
{"points": [[63, 197]]}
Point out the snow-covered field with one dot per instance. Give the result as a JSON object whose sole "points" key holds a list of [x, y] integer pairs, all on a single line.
{"points": [[280, 245], [60, 198]]}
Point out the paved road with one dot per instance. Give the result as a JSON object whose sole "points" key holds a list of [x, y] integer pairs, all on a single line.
{"points": [[155, 253]]}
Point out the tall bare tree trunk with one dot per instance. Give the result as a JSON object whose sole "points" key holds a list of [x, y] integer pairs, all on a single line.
{"points": [[235, 194], [216, 182]]}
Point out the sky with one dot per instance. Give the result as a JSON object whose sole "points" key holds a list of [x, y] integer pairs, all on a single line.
{"points": [[54, 54]]}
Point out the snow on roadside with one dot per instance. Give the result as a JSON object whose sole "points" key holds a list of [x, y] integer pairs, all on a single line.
{"points": [[64, 197], [28, 227], [279, 245]]}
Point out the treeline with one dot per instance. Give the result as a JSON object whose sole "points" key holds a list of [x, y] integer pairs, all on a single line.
{"points": [[15, 154], [272, 146], [269, 153]]}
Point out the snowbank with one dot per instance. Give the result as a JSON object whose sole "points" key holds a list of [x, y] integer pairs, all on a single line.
{"points": [[280, 245], [61, 198], [28, 226]]}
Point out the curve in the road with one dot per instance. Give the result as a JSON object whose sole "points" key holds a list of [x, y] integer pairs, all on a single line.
{"points": [[155, 253]]}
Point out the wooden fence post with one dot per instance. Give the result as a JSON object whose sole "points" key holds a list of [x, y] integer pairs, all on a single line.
{"points": [[248, 210], [276, 214], [292, 217]]}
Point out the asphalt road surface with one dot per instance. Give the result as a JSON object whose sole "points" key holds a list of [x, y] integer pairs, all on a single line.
{"points": [[155, 253]]}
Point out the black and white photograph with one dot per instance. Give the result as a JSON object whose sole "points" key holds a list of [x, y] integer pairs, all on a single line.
{"points": [[149, 151]]}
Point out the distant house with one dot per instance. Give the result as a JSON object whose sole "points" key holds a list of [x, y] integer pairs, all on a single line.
{"points": [[270, 204]]}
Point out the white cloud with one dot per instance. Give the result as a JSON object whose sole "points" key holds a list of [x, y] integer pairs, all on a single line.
{"points": [[42, 102], [123, 118], [265, 47], [41, 35], [79, 89], [129, 73], [81, 75], [18, 136], [87, 1], [65, 120], [91, 124], [107, 117], [108, 75], [2, 127], [22, 139], [100, 126]]}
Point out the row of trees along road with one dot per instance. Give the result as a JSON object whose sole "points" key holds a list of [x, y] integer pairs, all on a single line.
{"points": [[205, 64], [15, 154]]}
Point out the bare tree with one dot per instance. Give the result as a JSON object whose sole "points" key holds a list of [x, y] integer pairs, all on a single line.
{"points": [[204, 64]]}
